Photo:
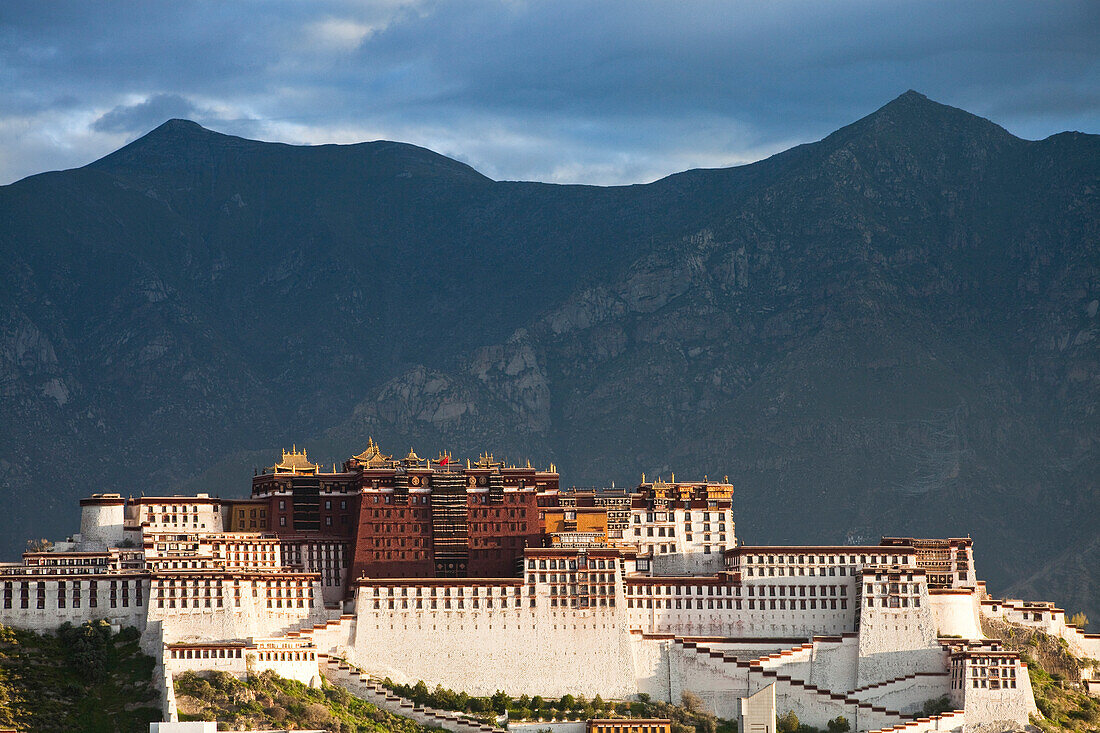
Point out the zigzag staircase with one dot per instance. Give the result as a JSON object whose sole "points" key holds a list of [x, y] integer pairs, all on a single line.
{"points": [[760, 669], [359, 683]]}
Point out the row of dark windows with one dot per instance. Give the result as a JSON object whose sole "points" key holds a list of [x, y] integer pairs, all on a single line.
{"points": [[781, 604], [64, 598]]}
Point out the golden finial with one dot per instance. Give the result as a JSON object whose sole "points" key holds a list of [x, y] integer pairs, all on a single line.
{"points": [[725, 479], [673, 477], [643, 477], [467, 464], [528, 462]]}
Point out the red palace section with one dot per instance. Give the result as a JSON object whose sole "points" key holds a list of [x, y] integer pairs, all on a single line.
{"points": [[413, 517]]}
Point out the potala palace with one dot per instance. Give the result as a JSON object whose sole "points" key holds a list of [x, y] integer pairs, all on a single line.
{"points": [[481, 576]]}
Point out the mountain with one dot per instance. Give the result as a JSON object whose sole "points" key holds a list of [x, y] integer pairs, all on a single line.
{"points": [[889, 331]]}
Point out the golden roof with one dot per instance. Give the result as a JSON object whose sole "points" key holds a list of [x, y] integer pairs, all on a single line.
{"points": [[412, 459], [373, 457], [295, 461], [486, 461]]}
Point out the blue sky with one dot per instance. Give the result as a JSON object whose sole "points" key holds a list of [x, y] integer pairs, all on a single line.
{"points": [[563, 91]]}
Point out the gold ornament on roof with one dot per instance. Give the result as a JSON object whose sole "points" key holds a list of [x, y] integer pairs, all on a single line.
{"points": [[296, 462], [487, 461], [373, 457]]}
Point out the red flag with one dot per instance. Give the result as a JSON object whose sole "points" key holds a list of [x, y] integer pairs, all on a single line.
{"points": [[444, 460]]}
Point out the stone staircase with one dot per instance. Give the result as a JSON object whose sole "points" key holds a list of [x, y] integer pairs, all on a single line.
{"points": [[794, 693], [328, 636], [339, 672], [954, 720], [886, 683]]}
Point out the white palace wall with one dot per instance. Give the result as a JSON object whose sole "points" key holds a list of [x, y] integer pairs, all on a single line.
{"points": [[713, 606], [76, 605], [907, 694], [956, 611], [650, 659], [1012, 707], [896, 641], [537, 651], [253, 618], [102, 524], [303, 671], [717, 682], [835, 662]]}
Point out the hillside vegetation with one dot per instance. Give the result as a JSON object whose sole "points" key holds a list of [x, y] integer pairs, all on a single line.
{"points": [[84, 678], [267, 700], [691, 716]]}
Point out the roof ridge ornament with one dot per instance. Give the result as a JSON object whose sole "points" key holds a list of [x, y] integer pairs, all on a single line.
{"points": [[296, 462], [373, 457]]}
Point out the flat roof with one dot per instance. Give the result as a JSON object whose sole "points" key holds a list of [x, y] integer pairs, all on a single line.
{"points": [[812, 549]]}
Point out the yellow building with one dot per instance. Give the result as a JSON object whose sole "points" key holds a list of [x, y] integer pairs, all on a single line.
{"points": [[576, 526], [245, 515], [628, 725]]}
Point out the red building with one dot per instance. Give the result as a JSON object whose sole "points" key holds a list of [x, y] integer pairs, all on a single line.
{"points": [[409, 518], [438, 518]]}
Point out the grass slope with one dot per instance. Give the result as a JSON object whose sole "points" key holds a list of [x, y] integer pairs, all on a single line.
{"points": [[84, 678], [267, 700]]}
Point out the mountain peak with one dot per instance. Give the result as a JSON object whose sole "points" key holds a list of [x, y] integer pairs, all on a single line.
{"points": [[913, 105], [914, 119], [177, 125], [176, 143]]}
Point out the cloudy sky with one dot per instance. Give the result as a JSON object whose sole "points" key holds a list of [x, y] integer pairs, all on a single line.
{"points": [[564, 90]]}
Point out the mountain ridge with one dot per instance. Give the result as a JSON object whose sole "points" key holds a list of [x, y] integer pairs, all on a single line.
{"points": [[892, 328]]}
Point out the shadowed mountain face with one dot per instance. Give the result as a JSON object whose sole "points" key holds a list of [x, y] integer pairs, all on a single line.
{"points": [[890, 331]]}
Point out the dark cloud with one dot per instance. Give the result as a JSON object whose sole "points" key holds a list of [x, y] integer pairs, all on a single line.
{"points": [[148, 114], [544, 89]]}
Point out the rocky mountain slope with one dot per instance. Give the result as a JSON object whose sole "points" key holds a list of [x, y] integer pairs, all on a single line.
{"points": [[889, 331]]}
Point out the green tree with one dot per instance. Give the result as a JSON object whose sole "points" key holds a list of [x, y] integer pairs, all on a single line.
{"points": [[500, 701], [839, 724], [419, 693], [937, 705], [87, 646], [1080, 620], [787, 723], [691, 702]]}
